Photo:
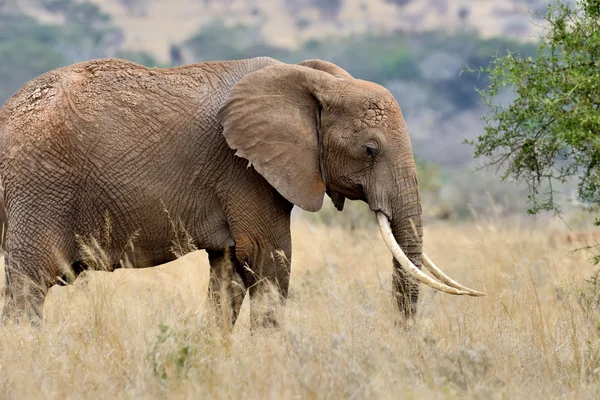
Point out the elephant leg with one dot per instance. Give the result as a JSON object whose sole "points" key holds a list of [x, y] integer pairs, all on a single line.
{"points": [[24, 296], [27, 280], [31, 267], [226, 288], [267, 276]]}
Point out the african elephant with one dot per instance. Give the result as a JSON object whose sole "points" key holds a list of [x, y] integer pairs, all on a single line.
{"points": [[225, 148]]}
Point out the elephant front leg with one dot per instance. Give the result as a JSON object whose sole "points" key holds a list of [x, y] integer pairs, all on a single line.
{"points": [[260, 228], [270, 277], [226, 288], [267, 275]]}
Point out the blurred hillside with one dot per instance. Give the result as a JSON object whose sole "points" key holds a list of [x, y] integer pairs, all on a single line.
{"points": [[152, 25], [416, 48]]}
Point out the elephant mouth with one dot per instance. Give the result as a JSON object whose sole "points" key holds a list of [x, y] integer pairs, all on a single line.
{"points": [[445, 283]]}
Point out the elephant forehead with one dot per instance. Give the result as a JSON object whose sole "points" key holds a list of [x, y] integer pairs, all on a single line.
{"points": [[377, 112]]}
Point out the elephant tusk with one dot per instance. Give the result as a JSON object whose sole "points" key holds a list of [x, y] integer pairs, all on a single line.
{"points": [[439, 274], [390, 241]]}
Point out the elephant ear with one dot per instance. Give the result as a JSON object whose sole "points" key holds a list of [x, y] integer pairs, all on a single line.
{"points": [[326, 66], [271, 118], [337, 198]]}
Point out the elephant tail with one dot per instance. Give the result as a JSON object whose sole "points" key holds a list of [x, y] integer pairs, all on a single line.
{"points": [[3, 218]]}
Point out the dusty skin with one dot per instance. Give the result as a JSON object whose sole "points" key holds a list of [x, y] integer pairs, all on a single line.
{"points": [[146, 333]]}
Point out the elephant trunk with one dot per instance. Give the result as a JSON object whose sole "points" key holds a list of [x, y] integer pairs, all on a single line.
{"points": [[407, 229], [404, 237]]}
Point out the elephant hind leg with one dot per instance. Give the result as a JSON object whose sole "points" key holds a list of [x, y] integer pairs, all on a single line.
{"points": [[31, 268], [25, 292], [226, 289]]}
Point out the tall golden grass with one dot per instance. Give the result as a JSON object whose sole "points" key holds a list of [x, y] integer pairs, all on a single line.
{"points": [[148, 334]]}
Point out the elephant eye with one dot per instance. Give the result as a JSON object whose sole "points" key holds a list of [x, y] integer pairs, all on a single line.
{"points": [[371, 150]]}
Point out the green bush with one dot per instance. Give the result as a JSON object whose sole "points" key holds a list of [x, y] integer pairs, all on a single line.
{"points": [[548, 134]]}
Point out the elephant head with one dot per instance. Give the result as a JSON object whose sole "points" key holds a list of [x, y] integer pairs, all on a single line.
{"points": [[311, 129]]}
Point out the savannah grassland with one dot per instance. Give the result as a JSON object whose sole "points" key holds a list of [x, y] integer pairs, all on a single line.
{"points": [[147, 333]]}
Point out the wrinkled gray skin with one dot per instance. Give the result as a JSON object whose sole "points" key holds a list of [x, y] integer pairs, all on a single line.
{"points": [[3, 220], [226, 148]]}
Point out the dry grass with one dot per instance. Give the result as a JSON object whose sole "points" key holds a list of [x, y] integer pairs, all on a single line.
{"points": [[146, 334]]}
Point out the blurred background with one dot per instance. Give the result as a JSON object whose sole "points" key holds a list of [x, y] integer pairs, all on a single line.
{"points": [[418, 49]]}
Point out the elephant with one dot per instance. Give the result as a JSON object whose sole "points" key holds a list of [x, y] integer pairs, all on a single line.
{"points": [[224, 149]]}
